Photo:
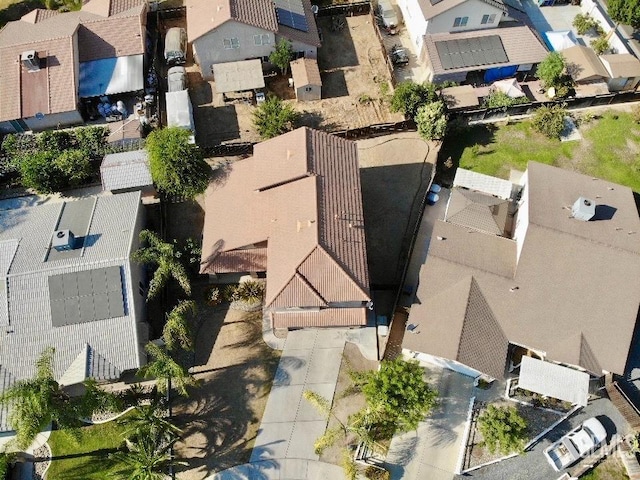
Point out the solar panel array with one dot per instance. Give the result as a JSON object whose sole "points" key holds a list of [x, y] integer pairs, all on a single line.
{"points": [[86, 296], [471, 52], [291, 14]]}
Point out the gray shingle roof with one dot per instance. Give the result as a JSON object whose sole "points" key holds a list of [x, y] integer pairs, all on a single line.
{"points": [[113, 232], [125, 170]]}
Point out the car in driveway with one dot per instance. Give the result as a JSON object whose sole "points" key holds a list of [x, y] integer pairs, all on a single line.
{"points": [[387, 16], [176, 79], [576, 444]]}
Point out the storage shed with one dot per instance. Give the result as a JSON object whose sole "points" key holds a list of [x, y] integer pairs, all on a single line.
{"points": [[306, 79]]}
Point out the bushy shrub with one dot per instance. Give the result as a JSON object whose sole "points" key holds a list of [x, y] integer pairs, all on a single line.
{"points": [[249, 291], [498, 99], [73, 166], [39, 172], [503, 429], [549, 120], [409, 96], [600, 45], [432, 121], [583, 22]]}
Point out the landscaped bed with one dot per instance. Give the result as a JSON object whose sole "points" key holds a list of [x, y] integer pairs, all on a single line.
{"points": [[538, 420], [609, 149]]}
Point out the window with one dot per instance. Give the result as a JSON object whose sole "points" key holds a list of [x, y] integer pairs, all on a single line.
{"points": [[231, 43], [488, 19], [307, 89], [460, 21], [263, 39]]}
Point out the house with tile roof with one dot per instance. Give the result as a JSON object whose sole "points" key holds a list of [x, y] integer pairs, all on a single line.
{"points": [[455, 37], [294, 211], [234, 30], [68, 282], [52, 60], [540, 266]]}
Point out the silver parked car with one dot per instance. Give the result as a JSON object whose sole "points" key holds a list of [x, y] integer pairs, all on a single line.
{"points": [[387, 16], [176, 79]]}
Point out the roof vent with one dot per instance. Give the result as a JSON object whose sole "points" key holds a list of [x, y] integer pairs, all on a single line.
{"points": [[63, 240], [584, 209], [30, 60]]}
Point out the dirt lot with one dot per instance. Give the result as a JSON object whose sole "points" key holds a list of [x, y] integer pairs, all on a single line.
{"points": [[395, 172], [352, 70]]}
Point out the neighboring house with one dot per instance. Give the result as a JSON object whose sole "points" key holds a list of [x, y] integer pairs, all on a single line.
{"points": [[538, 266], [294, 211], [623, 71], [306, 79], [454, 37], [234, 30], [127, 172], [52, 60], [583, 65], [68, 282]]}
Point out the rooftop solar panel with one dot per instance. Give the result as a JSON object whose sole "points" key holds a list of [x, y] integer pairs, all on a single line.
{"points": [[291, 14], [471, 52]]}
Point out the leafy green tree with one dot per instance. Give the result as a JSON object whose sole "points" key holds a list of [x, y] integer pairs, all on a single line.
{"points": [[282, 55], [552, 71], [399, 391], [432, 120], [177, 167], [147, 458], [409, 96], [176, 329], [36, 402], [274, 117], [74, 166], [92, 140], [166, 370], [161, 254], [55, 140], [39, 172], [503, 429], [95, 400], [625, 11], [498, 99], [600, 45], [549, 120]]}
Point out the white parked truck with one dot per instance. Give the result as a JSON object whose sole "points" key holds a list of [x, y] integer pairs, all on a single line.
{"points": [[180, 111], [576, 444]]}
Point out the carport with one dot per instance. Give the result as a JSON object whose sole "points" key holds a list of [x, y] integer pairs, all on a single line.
{"points": [[238, 76], [553, 380]]}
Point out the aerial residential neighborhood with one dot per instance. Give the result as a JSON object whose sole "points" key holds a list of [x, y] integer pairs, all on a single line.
{"points": [[318, 239]]}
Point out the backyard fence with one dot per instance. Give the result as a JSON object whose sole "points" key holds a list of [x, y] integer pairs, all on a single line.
{"points": [[387, 59], [228, 149], [376, 130], [349, 9]]}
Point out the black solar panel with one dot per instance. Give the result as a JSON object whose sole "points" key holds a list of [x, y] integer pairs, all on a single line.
{"points": [[471, 52], [291, 14]]}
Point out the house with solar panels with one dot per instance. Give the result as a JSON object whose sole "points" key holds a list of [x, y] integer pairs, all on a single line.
{"points": [[235, 30], [68, 282], [456, 37]]}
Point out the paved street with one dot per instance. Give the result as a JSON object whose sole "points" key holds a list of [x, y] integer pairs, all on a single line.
{"points": [[432, 452]]}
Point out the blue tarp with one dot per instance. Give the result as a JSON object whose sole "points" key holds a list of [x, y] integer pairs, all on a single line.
{"points": [[109, 76], [498, 73]]}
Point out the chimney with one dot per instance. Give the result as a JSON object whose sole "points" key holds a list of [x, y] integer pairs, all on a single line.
{"points": [[583, 209], [63, 240]]}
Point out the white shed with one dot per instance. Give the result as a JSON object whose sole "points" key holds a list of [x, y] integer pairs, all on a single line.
{"points": [[306, 79]]}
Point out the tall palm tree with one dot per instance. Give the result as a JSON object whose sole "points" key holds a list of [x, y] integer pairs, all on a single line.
{"points": [[148, 420], [163, 255], [176, 330], [165, 369], [148, 458]]}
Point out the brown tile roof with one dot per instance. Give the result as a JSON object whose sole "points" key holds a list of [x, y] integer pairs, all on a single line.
{"points": [[305, 72], [248, 260], [335, 317], [520, 44], [477, 210], [311, 36], [38, 15], [622, 65], [573, 298], [583, 64], [301, 193], [205, 15], [111, 37], [433, 9]]}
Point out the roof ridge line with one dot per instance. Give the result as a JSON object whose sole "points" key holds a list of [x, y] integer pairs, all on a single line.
{"points": [[313, 290], [350, 277], [277, 294], [476, 268]]}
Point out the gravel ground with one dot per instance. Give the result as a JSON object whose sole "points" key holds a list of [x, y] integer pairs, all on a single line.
{"points": [[40, 466], [533, 465]]}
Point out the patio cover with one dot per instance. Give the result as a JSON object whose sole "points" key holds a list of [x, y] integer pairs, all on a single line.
{"points": [[554, 380], [509, 86], [238, 76], [109, 76], [561, 39]]}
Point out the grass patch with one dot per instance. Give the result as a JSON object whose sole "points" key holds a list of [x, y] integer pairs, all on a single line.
{"points": [[609, 469], [610, 149], [84, 458]]}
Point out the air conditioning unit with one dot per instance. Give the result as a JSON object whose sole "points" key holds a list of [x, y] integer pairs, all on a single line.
{"points": [[63, 240], [30, 60]]}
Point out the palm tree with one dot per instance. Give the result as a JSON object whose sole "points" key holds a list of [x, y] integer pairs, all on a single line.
{"points": [[162, 254], [148, 458], [148, 420], [165, 369], [176, 330]]}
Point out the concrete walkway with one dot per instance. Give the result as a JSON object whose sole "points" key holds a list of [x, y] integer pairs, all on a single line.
{"points": [[433, 451]]}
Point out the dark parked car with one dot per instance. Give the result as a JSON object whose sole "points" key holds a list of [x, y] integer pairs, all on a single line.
{"points": [[399, 55]]}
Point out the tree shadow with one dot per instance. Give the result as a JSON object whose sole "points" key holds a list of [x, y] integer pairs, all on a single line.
{"points": [[338, 49], [315, 120]]}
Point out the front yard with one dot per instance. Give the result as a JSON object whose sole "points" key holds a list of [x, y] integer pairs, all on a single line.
{"points": [[609, 149]]}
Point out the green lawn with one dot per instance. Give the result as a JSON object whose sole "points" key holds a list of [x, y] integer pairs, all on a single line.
{"points": [[610, 149], [85, 458]]}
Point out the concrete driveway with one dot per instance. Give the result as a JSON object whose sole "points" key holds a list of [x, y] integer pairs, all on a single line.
{"points": [[533, 465], [433, 451]]}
